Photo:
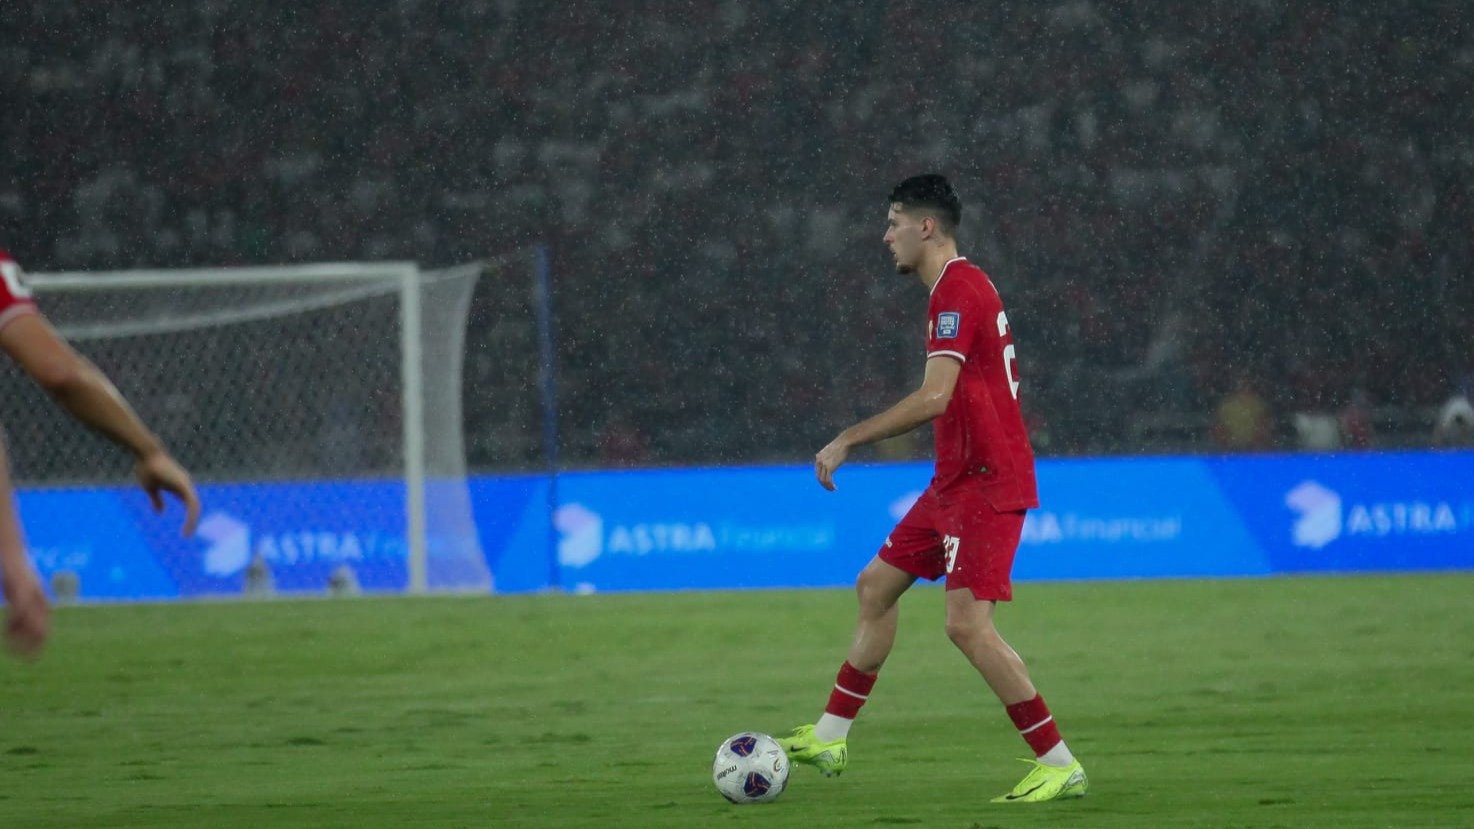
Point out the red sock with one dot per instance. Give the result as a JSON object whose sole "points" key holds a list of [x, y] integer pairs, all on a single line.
{"points": [[851, 689], [1035, 724]]}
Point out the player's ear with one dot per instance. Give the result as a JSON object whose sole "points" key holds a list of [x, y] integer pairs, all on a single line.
{"points": [[930, 227]]}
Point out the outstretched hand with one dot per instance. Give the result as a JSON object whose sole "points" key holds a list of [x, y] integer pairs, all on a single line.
{"points": [[158, 473], [829, 459]]}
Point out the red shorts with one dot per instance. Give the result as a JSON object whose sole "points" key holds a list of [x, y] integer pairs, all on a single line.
{"points": [[961, 536]]}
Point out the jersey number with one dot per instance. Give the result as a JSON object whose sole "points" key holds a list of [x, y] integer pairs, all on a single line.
{"points": [[14, 284], [950, 543], [1010, 359]]}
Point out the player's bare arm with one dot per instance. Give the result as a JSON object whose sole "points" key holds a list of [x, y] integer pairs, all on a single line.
{"points": [[915, 409], [89, 396], [27, 617], [75, 383]]}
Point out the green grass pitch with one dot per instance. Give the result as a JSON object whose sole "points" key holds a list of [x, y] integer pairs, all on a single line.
{"points": [[1288, 702]]}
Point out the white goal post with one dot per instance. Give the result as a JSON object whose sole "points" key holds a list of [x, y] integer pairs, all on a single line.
{"points": [[283, 374]]}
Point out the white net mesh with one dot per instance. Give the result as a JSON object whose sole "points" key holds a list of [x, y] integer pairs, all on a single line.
{"points": [[296, 378], [504, 407]]}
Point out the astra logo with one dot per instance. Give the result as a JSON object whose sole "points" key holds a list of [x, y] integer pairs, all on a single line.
{"points": [[232, 542], [1319, 511], [583, 536], [903, 504], [1323, 517], [1043, 527], [662, 537], [580, 535]]}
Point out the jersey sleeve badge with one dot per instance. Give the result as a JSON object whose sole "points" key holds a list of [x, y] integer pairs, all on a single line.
{"points": [[948, 324]]}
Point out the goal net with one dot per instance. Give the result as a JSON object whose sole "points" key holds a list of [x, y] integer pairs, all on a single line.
{"points": [[320, 405]]}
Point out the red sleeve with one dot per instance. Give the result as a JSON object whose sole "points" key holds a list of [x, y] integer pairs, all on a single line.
{"points": [[15, 296], [954, 319]]}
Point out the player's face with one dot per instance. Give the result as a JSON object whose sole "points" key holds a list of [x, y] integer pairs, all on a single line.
{"points": [[903, 237]]}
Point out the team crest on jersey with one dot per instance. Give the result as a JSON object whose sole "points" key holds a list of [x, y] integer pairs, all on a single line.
{"points": [[947, 324]]}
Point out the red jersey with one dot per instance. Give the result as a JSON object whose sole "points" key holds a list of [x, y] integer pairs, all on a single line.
{"points": [[981, 440], [15, 297]]}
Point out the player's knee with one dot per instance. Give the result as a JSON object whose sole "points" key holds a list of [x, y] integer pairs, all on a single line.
{"points": [[872, 594], [866, 595], [961, 632], [968, 631]]}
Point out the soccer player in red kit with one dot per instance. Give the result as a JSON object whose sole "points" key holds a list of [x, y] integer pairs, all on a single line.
{"points": [[966, 525], [86, 393]]}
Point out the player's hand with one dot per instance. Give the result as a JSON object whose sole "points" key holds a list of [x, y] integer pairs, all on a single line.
{"points": [[829, 459], [158, 473], [27, 616]]}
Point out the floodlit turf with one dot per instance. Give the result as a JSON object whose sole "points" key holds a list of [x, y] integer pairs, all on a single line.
{"points": [[1341, 702]]}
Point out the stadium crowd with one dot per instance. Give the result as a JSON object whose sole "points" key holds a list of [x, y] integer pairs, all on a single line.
{"points": [[1205, 218]]}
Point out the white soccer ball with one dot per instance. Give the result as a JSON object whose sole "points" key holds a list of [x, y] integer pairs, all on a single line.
{"points": [[750, 768]]}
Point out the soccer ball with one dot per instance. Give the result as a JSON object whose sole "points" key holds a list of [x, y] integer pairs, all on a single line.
{"points": [[750, 768]]}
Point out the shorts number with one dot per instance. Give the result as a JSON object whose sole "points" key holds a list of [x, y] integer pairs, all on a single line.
{"points": [[1010, 359], [950, 543], [14, 283]]}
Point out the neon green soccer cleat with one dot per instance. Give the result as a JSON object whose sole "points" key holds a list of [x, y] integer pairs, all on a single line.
{"points": [[829, 758], [1047, 783]]}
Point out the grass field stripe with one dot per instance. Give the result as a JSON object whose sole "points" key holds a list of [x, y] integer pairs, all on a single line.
{"points": [[540, 710]]}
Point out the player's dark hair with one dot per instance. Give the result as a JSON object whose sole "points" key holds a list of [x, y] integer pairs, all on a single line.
{"points": [[930, 192]]}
